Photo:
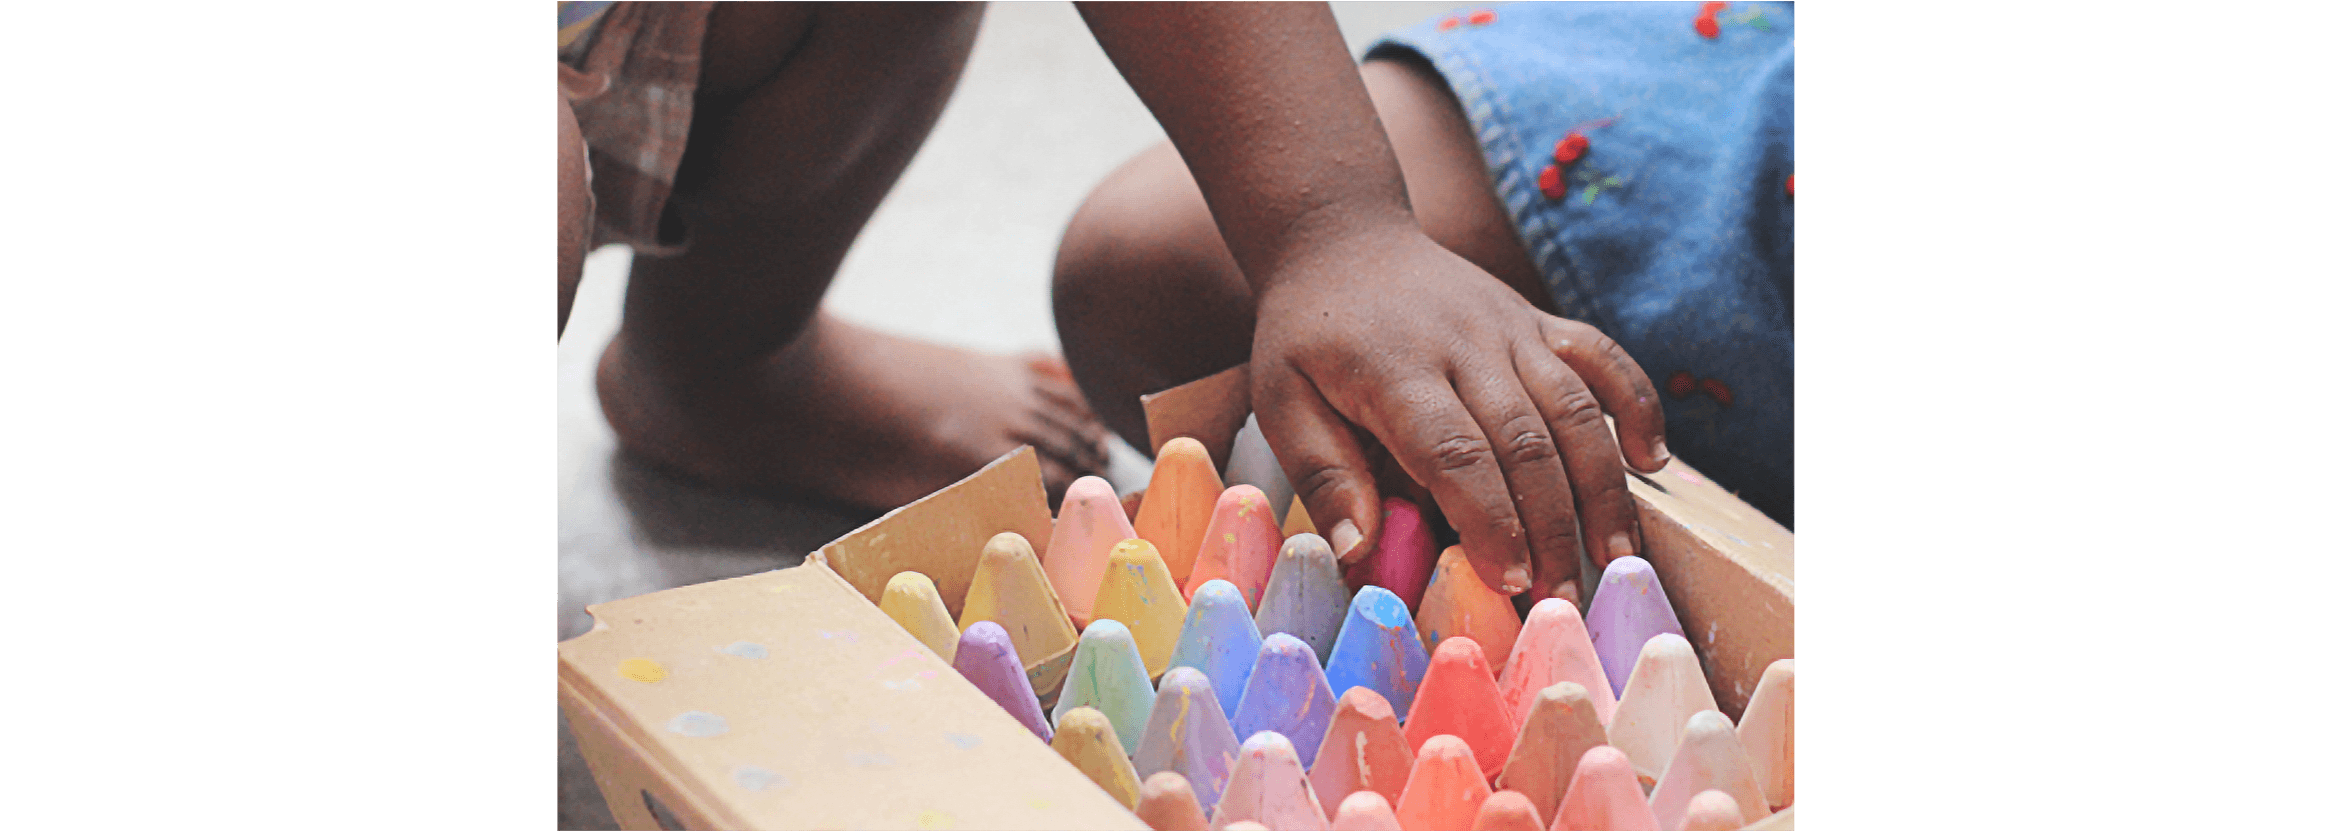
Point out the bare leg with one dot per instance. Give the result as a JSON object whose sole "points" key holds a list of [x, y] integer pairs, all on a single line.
{"points": [[571, 209], [724, 367], [1146, 296]]}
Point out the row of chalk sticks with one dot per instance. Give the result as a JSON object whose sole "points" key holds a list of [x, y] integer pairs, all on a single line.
{"points": [[1602, 721]]}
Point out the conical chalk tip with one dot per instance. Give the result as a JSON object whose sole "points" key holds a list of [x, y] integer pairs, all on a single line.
{"points": [[1268, 749], [1362, 703], [911, 599], [1508, 810], [1365, 811], [1168, 804], [1671, 653], [1458, 602], [1007, 545], [1604, 788], [1458, 696], [1082, 724], [1712, 810], [1377, 605], [1309, 553], [1085, 737], [1183, 448]]}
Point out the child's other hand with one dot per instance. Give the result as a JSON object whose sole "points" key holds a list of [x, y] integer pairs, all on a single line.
{"points": [[1491, 404]]}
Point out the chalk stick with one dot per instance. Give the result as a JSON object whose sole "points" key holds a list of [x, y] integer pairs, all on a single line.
{"points": [[1458, 698], [1009, 587], [1666, 688], [1247, 825], [1305, 597], [1107, 675], [1188, 734], [1379, 648], [1712, 811], [1090, 523], [1085, 738], [1364, 811], [1287, 694], [1559, 729], [1269, 786], [1507, 810], [1709, 758], [1628, 609], [1297, 521], [1445, 789], [1368, 753], [1405, 556], [1554, 647], [1768, 731], [1241, 542], [1253, 463], [913, 601], [1168, 804], [1604, 796], [985, 657], [1176, 505], [1220, 640], [1458, 604], [1135, 590]]}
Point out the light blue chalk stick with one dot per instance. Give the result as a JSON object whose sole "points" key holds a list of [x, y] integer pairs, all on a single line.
{"points": [[1219, 640], [1287, 695], [1107, 674], [1379, 649], [1305, 597], [1188, 734]]}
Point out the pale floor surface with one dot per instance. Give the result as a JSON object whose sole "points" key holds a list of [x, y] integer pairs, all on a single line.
{"points": [[961, 252]]}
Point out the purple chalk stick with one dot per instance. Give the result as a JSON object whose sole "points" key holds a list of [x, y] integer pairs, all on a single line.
{"points": [[1287, 694], [1188, 734], [985, 657], [1628, 609], [1405, 557]]}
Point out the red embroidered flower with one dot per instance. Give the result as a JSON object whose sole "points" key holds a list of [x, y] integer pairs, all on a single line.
{"points": [[1791, 185], [1447, 24], [1554, 186], [1570, 148], [1481, 17], [1707, 28], [1711, 8], [1681, 384], [1717, 390]]}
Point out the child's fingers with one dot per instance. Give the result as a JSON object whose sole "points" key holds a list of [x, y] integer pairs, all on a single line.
{"points": [[1623, 389], [1438, 442], [1610, 528], [1319, 453], [1528, 446]]}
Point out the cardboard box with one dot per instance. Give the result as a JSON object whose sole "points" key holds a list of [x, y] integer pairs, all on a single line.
{"points": [[788, 700]]}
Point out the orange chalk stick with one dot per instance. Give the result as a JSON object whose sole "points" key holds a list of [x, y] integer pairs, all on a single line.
{"points": [[1554, 647], [1365, 811], [1168, 804], [1559, 731], [1457, 697], [1605, 796], [1297, 521], [1240, 545], [1446, 788], [1174, 514], [1367, 753], [1507, 810], [1458, 604]]}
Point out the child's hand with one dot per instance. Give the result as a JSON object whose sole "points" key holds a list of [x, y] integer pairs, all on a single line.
{"points": [[1492, 405]]}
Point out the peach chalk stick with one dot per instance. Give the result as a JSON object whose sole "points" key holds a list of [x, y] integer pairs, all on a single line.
{"points": [[1240, 545], [1085, 738], [1188, 735], [1712, 811], [1666, 688], [1089, 525], [1010, 588], [1365, 811], [1605, 796], [1554, 647], [1768, 730], [1403, 559], [1458, 604], [1135, 590], [1176, 505], [913, 601], [1507, 810], [1446, 787], [1168, 804], [1458, 698], [1269, 787], [1367, 753], [1709, 758], [1558, 732]]}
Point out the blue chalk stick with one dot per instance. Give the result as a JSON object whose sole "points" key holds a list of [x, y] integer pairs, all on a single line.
{"points": [[1379, 649], [1220, 640]]}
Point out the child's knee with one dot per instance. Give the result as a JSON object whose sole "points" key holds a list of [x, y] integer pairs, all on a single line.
{"points": [[1145, 231]]}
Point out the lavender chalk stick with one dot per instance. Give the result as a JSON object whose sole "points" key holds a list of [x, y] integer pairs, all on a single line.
{"points": [[1288, 695], [986, 658], [1628, 609], [1188, 734]]}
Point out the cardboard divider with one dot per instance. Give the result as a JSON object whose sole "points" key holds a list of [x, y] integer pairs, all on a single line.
{"points": [[789, 700]]}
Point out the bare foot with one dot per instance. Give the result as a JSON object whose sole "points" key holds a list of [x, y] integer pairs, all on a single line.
{"points": [[853, 415]]}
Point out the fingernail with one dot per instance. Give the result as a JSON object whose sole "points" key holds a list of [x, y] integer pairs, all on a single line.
{"points": [[1657, 450], [1515, 580], [1571, 591], [1620, 545], [1346, 539]]}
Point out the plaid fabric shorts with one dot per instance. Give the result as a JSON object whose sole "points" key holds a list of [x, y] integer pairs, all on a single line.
{"points": [[631, 81]]}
